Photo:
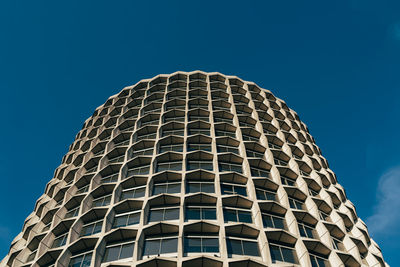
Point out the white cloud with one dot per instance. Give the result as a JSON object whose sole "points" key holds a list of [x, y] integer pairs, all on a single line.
{"points": [[386, 217]]}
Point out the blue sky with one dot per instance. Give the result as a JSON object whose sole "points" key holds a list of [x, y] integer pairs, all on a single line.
{"points": [[336, 63]]}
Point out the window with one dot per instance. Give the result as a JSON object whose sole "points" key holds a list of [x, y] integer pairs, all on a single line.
{"points": [[257, 172], [72, 213], [204, 147], [119, 251], [250, 138], [312, 192], [174, 118], [237, 215], [102, 201], [224, 149], [337, 244], [82, 260], [164, 214], [145, 136], [318, 261], [287, 181], [136, 192], [195, 164], [263, 194], [160, 245], [179, 132], [112, 178], [139, 170], [273, 146], [169, 166], [83, 189], [219, 119], [201, 244], [200, 213], [323, 216], [230, 167], [117, 158], [242, 247], [167, 187], [280, 162], [225, 133], [280, 253], [92, 228], [146, 151], [228, 189], [273, 221], [60, 240], [306, 230], [296, 204], [254, 154], [197, 186], [198, 117], [171, 147], [126, 219], [193, 131]]}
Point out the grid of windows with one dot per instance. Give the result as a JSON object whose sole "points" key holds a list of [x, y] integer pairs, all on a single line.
{"points": [[167, 134]]}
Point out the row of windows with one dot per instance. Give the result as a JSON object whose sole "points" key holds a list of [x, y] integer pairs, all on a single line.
{"points": [[168, 245]]}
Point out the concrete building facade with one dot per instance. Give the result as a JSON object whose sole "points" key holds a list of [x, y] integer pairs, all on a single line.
{"points": [[194, 169]]}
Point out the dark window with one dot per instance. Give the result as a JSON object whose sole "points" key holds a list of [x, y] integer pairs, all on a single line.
{"points": [[159, 246], [197, 186], [236, 215], [200, 213], [242, 247], [282, 254], [201, 244], [163, 214], [118, 251]]}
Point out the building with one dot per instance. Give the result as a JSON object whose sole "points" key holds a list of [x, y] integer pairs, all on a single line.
{"points": [[194, 169]]}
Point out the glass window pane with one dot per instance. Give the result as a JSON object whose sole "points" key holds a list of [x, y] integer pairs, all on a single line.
{"points": [[97, 228], [75, 262], [120, 221], [240, 190], [275, 253], [210, 245], [87, 230], [139, 192], [126, 251], [86, 261], [230, 216], [111, 254], [226, 189], [234, 247], [245, 217], [159, 189], [133, 218], [250, 248], [288, 255], [174, 188], [208, 188], [192, 245], [156, 215], [193, 187], [169, 245], [193, 214], [267, 221], [278, 223], [171, 214], [151, 247], [209, 214]]}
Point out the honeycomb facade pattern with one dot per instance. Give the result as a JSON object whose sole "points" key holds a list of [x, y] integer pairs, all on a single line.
{"points": [[194, 169]]}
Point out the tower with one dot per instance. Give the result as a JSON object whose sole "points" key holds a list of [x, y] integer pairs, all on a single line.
{"points": [[194, 169]]}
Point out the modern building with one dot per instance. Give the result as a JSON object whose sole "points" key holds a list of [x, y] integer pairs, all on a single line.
{"points": [[194, 169]]}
